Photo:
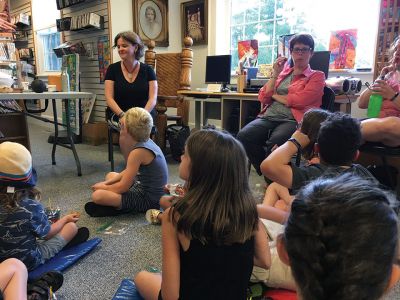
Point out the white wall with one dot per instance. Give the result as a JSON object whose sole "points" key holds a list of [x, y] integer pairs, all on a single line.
{"points": [[44, 13]]}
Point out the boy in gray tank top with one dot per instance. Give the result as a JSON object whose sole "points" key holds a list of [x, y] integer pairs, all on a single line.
{"points": [[140, 185]]}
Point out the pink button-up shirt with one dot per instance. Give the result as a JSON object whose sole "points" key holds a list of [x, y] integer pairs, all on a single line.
{"points": [[304, 92], [389, 109]]}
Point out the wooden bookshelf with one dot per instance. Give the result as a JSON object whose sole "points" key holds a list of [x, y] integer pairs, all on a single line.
{"points": [[388, 30]]}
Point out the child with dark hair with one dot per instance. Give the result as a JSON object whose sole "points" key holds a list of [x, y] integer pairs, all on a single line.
{"points": [[340, 240], [25, 231], [337, 147], [212, 236]]}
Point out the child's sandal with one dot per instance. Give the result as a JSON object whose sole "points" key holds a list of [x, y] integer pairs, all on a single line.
{"points": [[40, 288], [152, 216]]}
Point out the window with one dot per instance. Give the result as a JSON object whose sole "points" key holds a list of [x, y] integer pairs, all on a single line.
{"points": [[266, 20], [47, 40]]}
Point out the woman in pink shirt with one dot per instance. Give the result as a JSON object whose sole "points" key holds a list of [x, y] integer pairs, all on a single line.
{"points": [[386, 128], [290, 92]]}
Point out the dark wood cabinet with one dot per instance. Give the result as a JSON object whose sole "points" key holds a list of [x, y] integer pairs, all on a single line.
{"points": [[14, 128]]}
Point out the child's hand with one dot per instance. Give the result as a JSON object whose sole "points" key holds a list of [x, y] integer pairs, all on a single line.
{"points": [[99, 186], [74, 217]]}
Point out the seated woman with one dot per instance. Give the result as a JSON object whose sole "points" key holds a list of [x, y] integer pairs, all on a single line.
{"points": [[289, 93], [130, 83], [386, 128], [319, 243]]}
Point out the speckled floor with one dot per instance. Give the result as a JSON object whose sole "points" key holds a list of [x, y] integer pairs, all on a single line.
{"points": [[96, 276]]}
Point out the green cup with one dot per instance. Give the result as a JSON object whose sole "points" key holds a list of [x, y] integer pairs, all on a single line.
{"points": [[374, 106]]}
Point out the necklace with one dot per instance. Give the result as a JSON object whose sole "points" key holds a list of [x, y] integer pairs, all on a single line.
{"points": [[130, 74]]}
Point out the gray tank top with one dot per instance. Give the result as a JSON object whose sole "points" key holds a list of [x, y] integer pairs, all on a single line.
{"points": [[154, 176]]}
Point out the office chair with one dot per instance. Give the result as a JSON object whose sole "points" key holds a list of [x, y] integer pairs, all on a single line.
{"points": [[328, 99], [173, 72]]}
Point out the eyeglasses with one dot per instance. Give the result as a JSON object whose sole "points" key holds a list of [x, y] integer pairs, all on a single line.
{"points": [[301, 50]]}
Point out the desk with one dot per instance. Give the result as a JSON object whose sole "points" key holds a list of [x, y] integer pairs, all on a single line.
{"points": [[65, 97], [235, 110]]}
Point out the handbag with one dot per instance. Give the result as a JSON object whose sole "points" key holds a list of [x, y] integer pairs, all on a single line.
{"points": [[177, 136]]}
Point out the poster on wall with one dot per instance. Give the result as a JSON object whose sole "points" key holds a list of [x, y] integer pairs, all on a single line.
{"points": [[343, 45], [71, 62], [104, 56], [6, 27], [248, 53]]}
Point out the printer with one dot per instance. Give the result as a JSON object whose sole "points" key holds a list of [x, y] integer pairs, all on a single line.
{"points": [[255, 85]]}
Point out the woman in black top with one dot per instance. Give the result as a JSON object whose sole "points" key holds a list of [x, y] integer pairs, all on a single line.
{"points": [[129, 83]]}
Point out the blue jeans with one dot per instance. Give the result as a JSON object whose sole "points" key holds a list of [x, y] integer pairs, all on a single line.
{"points": [[260, 135]]}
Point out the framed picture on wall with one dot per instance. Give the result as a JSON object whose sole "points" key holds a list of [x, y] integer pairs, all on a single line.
{"points": [[194, 21], [151, 20]]}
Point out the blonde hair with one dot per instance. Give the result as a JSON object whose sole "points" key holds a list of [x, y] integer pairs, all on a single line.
{"points": [[138, 122]]}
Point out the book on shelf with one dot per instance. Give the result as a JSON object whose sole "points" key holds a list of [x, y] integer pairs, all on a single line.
{"points": [[7, 106]]}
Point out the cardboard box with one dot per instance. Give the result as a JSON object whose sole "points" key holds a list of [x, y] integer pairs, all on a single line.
{"points": [[95, 133]]}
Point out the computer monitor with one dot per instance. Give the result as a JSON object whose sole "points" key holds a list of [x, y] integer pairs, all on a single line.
{"points": [[320, 61], [218, 70]]}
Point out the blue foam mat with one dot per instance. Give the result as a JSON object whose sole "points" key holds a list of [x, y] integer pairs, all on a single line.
{"points": [[65, 258], [127, 291]]}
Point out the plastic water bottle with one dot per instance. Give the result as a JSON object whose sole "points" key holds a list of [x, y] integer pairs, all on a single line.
{"points": [[374, 106], [65, 80]]}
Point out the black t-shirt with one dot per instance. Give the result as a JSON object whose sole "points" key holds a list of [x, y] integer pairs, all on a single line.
{"points": [[305, 174], [135, 94]]}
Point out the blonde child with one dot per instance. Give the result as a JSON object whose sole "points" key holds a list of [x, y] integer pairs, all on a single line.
{"points": [[140, 185], [23, 220], [212, 236]]}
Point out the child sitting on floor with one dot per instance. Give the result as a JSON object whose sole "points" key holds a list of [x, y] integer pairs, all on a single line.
{"points": [[23, 220], [212, 235], [140, 186], [340, 240], [337, 146], [310, 126], [13, 282]]}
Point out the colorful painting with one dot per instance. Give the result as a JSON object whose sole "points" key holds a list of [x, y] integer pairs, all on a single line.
{"points": [[343, 44], [248, 53], [284, 45], [104, 56]]}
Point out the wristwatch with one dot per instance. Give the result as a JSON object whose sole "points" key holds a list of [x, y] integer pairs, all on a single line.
{"points": [[121, 114], [296, 142], [395, 96]]}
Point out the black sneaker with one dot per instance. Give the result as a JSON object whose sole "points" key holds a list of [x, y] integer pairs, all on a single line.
{"points": [[81, 236], [96, 210]]}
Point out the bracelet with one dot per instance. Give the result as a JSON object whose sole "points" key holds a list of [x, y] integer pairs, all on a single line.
{"points": [[295, 142], [121, 114], [395, 96]]}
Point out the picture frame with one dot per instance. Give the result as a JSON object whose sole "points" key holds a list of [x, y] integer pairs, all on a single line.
{"points": [[194, 16], [151, 21]]}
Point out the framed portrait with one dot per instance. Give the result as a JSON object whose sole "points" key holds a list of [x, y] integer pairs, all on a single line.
{"points": [[151, 20], [194, 21]]}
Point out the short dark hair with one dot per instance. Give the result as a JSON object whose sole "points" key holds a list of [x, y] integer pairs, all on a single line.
{"points": [[341, 239], [339, 139], [305, 39], [310, 126], [132, 38]]}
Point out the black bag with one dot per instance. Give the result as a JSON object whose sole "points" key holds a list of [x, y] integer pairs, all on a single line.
{"points": [[385, 175], [177, 135]]}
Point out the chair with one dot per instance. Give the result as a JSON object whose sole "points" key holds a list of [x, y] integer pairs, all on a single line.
{"points": [[328, 99], [383, 151], [173, 74]]}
